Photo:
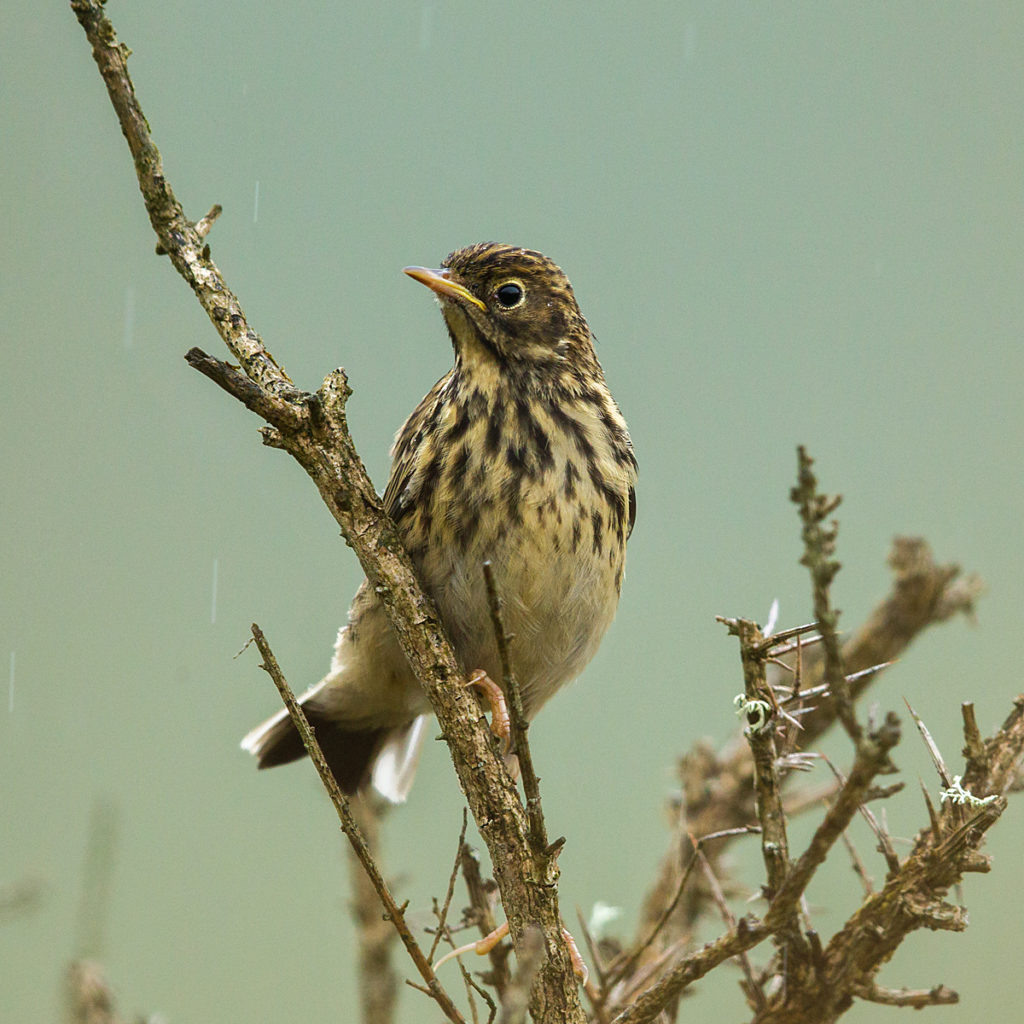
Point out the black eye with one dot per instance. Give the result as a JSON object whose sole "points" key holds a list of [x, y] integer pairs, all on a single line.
{"points": [[509, 295]]}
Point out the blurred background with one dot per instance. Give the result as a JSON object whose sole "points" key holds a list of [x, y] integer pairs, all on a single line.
{"points": [[795, 223]]}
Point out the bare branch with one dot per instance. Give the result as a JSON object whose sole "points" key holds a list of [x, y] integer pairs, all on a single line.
{"points": [[351, 829], [749, 931], [912, 897], [442, 917], [625, 965], [375, 934], [885, 846], [89, 996], [933, 750], [819, 548], [998, 769], [276, 411], [918, 999], [718, 790], [518, 721], [755, 993], [923, 594], [761, 737], [974, 746], [721, 793], [872, 758]]}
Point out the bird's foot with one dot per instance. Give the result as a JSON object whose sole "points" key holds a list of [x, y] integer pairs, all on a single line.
{"points": [[579, 968], [483, 946], [501, 723]]}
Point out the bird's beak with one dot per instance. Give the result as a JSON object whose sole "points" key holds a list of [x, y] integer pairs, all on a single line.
{"points": [[439, 281]]}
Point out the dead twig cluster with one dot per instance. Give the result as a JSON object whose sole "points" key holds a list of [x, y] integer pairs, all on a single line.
{"points": [[741, 791]]}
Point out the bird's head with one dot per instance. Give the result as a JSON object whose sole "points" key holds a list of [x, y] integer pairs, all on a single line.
{"points": [[508, 305]]}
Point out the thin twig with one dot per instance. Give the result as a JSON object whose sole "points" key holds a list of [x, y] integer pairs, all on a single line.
{"points": [[473, 986], [819, 549], [747, 933], [481, 893], [858, 865], [90, 999], [755, 991], [282, 414], [204, 224], [443, 915], [872, 757], [772, 640], [376, 976], [351, 829], [974, 745], [919, 998], [97, 881], [520, 725], [625, 967], [885, 846], [600, 968], [933, 749]]}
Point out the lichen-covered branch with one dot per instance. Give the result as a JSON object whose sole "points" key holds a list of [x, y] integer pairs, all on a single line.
{"points": [[760, 735], [812, 983], [717, 792]]}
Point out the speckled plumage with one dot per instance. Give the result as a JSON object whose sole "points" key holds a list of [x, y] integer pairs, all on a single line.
{"points": [[518, 455]]}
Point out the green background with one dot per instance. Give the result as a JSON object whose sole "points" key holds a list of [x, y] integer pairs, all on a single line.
{"points": [[786, 223]]}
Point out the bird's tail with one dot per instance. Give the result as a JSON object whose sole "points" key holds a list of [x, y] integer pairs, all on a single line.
{"points": [[388, 756]]}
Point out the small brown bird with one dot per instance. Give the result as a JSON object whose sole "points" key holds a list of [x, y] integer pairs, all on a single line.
{"points": [[518, 455]]}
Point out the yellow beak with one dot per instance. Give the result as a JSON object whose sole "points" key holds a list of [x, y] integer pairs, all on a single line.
{"points": [[440, 282]]}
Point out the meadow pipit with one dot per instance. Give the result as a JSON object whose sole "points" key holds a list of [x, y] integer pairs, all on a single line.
{"points": [[518, 455]]}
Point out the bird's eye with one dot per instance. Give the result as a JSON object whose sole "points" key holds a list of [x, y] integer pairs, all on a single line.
{"points": [[509, 295]]}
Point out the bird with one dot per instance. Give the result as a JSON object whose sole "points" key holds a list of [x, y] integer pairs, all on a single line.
{"points": [[518, 456]]}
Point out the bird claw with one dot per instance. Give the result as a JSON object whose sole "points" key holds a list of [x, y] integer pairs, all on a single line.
{"points": [[579, 968], [501, 723], [483, 946]]}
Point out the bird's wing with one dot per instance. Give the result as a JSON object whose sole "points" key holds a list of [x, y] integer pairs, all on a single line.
{"points": [[407, 447]]}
